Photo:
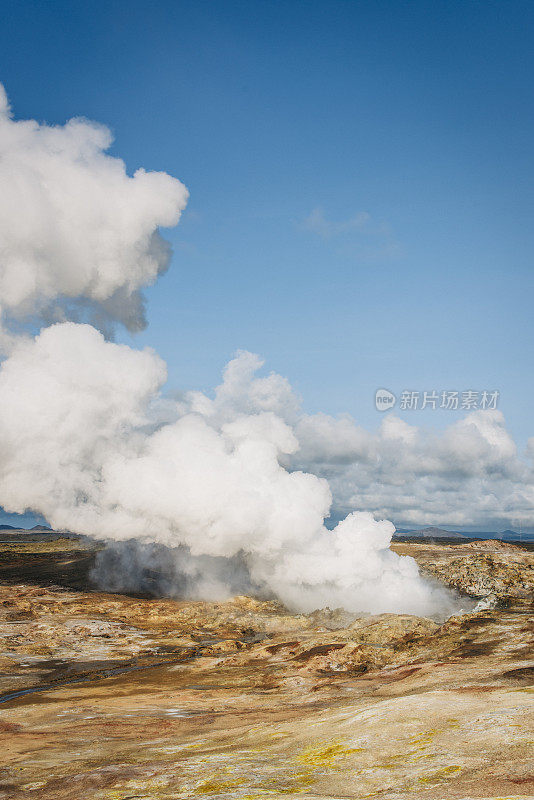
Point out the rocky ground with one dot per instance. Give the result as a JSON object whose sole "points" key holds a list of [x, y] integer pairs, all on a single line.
{"points": [[112, 697]]}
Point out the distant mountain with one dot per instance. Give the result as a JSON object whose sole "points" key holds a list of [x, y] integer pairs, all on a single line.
{"points": [[35, 529], [436, 533], [442, 533], [515, 536]]}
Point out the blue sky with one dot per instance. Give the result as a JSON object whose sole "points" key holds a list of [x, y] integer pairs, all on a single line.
{"points": [[360, 178]]}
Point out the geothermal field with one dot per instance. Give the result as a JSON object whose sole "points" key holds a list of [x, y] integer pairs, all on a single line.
{"points": [[218, 605], [116, 696]]}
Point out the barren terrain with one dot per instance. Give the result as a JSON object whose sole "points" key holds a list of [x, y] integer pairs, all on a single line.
{"points": [[113, 697]]}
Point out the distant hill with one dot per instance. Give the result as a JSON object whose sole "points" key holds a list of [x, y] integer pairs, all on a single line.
{"points": [[35, 529], [515, 536], [435, 533]]}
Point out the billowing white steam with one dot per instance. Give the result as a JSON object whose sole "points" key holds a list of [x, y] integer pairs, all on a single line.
{"points": [[82, 439], [73, 226]]}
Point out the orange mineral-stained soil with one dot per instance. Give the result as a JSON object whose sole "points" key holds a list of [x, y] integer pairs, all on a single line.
{"points": [[111, 697]]}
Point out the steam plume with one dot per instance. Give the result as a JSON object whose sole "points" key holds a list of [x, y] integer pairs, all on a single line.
{"points": [[74, 227], [81, 438]]}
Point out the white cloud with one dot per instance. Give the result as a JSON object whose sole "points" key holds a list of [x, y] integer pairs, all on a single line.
{"points": [[469, 475], [316, 222], [358, 236], [74, 227]]}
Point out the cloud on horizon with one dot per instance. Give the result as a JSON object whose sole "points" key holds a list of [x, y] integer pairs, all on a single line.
{"points": [[469, 475]]}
